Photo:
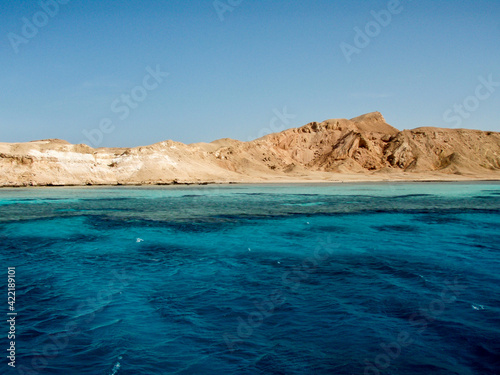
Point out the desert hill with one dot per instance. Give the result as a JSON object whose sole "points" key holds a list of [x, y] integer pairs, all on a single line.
{"points": [[364, 148]]}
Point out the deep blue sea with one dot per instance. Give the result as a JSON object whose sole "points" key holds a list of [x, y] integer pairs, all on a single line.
{"points": [[253, 279]]}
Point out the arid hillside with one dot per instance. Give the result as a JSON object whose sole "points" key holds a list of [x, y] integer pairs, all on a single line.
{"points": [[365, 148]]}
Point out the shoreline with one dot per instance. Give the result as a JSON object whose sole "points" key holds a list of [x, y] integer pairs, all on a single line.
{"points": [[271, 182]]}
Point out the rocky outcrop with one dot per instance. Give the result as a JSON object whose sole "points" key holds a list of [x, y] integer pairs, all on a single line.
{"points": [[365, 147]]}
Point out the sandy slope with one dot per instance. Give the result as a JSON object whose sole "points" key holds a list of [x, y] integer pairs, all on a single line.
{"points": [[365, 148]]}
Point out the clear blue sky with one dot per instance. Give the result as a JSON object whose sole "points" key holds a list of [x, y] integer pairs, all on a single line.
{"points": [[227, 77]]}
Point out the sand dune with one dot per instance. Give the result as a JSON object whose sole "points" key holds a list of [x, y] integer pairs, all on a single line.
{"points": [[364, 148]]}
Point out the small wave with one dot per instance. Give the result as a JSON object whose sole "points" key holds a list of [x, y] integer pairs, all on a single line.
{"points": [[478, 307], [116, 367], [106, 324], [411, 196], [305, 204]]}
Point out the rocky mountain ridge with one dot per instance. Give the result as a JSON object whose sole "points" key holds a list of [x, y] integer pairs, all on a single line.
{"points": [[364, 148]]}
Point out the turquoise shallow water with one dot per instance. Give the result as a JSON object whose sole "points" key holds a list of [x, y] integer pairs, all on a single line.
{"points": [[261, 279]]}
